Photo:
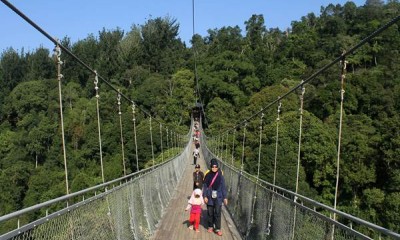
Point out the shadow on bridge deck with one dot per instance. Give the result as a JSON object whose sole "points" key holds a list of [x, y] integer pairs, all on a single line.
{"points": [[174, 223]]}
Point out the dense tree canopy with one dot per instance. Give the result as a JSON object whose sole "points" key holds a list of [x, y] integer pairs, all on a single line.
{"points": [[238, 73]]}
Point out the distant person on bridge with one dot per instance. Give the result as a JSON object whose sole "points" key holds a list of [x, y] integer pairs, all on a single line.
{"points": [[196, 155], [198, 177], [214, 193], [197, 144], [196, 126], [195, 139], [194, 204], [197, 133]]}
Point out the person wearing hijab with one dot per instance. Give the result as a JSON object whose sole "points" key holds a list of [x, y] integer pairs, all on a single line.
{"points": [[215, 194], [194, 204]]}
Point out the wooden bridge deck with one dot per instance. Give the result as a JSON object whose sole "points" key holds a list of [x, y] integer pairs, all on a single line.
{"points": [[175, 221]]}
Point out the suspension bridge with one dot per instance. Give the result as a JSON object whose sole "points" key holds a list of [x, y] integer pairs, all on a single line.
{"points": [[149, 203]]}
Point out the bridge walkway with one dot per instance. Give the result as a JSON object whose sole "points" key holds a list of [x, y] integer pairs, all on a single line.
{"points": [[175, 221]]}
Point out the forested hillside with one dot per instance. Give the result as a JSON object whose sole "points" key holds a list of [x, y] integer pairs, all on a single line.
{"points": [[238, 72]]}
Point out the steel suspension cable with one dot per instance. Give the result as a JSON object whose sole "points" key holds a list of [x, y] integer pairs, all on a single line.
{"points": [[166, 129], [151, 141], [121, 133], [216, 148], [176, 139], [215, 144], [275, 164], [161, 144], [298, 158], [181, 141], [222, 146], [177, 142], [172, 141], [194, 55], [276, 142], [57, 52], [259, 147], [226, 148], [135, 137], [193, 18], [241, 168], [96, 88], [342, 91], [299, 144], [233, 145], [219, 145], [258, 172], [197, 88], [244, 140], [232, 158]]}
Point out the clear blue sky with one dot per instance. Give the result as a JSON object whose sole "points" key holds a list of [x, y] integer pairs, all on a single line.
{"points": [[78, 18]]}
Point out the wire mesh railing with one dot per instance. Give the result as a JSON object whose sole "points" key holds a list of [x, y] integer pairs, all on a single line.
{"points": [[304, 151], [146, 143], [261, 210], [130, 210]]}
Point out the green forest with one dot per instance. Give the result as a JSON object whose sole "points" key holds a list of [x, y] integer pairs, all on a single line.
{"points": [[238, 72]]}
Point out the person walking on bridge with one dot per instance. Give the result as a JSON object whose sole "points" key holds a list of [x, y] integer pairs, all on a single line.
{"points": [[214, 193], [194, 204], [198, 177], [196, 155]]}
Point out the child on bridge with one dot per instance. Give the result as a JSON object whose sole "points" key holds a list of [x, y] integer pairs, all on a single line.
{"points": [[195, 202]]}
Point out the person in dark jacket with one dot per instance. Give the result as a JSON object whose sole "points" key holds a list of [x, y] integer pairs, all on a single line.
{"points": [[215, 194], [198, 177]]}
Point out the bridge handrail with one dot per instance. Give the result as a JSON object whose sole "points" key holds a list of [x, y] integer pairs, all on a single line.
{"points": [[272, 188], [75, 194], [352, 218]]}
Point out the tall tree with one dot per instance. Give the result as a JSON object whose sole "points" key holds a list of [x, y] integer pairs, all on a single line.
{"points": [[255, 30], [108, 63], [12, 70], [161, 47], [40, 65]]}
